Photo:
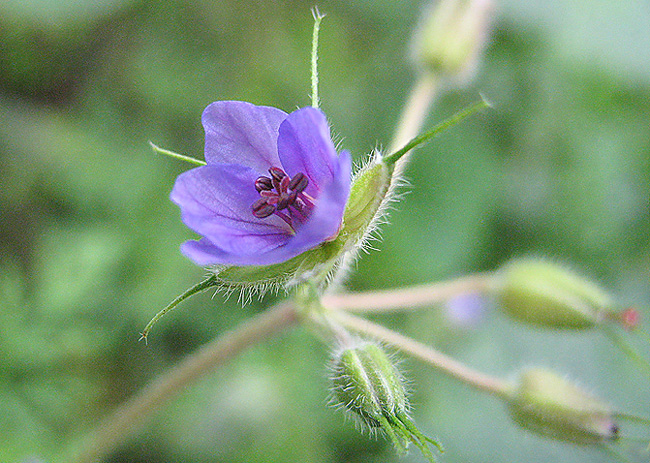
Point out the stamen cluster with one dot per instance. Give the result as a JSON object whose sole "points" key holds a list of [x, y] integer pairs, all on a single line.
{"points": [[279, 192]]}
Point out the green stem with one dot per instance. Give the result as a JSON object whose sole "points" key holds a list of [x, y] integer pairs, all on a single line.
{"points": [[314, 57], [628, 349], [632, 418], [415, 111], [429, 134], [197, 288], [133, 413], [182, 157]]}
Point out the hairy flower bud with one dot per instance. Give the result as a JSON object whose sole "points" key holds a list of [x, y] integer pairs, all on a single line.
{"points": [[367, 383], [552, 406], [452, 37], [545, 294]]}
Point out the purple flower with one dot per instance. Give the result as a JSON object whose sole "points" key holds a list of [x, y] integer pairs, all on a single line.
{"points": [[273, 187]]}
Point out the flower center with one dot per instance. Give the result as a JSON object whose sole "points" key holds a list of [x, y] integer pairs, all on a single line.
{"points": [[283, 196]]}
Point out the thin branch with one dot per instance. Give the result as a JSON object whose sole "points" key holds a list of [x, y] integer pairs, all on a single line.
{"points": [[415, 111], [408, 298], [130, 415], [440, 361]]}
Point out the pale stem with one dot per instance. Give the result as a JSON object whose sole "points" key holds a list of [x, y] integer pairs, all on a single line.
{"points": [[128, 416], [415, 111], [409, 298], [427, 354]]}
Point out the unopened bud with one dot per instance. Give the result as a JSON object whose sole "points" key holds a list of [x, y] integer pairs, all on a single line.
{"points": [[552, 406], [366, 382], [542, 293], [452, 37]]}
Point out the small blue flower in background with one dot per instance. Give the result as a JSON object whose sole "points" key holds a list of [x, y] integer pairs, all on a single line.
{"points": [[273, 187], [466, 310]]}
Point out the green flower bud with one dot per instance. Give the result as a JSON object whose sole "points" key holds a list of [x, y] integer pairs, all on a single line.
{"points": [[552, 406], [452, 37], [545, 294], [366, 382]]}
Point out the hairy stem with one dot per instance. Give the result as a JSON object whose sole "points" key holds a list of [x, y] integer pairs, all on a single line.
{"points": [[408, 298], [440, 361], [135, 411], [318, 17]]}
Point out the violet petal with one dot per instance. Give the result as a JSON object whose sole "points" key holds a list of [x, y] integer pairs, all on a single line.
{"points": [[323, 224], [216, 201], [305, 145], [237, 132]]}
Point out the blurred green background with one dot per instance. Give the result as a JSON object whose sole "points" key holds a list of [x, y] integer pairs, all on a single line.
{"points": [[89, 240]]}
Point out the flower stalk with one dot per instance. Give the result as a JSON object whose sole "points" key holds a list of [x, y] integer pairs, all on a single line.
{"points": [[410, 298], [157, 149], [415, 111], [131, 414], [438, 360], [318, 17]]}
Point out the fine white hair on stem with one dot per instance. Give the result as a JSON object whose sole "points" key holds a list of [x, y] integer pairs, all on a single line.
{"points": [[318, 17]]}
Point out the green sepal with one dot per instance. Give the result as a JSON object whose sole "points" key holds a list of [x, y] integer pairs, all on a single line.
{"points": [[316, 262], [367, 194]]}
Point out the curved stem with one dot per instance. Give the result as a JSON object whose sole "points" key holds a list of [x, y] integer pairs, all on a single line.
{"points": [[433, 132], [427, 354], [408, 298], [209, 282], [132, 413]]}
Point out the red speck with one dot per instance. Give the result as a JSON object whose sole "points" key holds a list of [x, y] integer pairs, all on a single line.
{"points": [[630, 318]]}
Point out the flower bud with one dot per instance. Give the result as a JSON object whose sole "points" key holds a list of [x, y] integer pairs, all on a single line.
{"points": [[552, 406], [452, 37], [545, 294], [367, 383]]}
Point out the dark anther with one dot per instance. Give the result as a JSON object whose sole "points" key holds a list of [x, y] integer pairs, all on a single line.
{"points": [[283, 203], [277, 173], [284, 183], [299, 182], [279, 192], [263, 184], [613, 430], [262, 209]]}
